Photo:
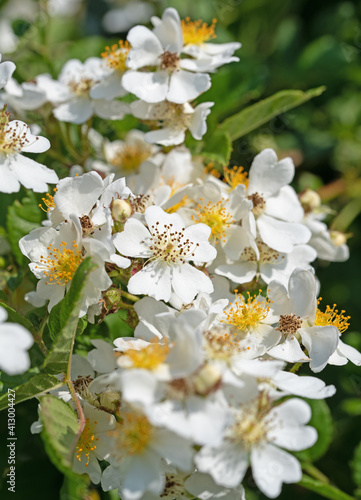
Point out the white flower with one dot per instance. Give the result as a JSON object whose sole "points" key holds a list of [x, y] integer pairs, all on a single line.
{"points": [[94, 442], [175, 120], [138, 452], [15, 341], [266, 263], [126, 156], [7, 68], [258, 432], [161, 48], [56, 255], [16, 169], [168, 247], [276, 207], [72, 93], [23, 97], [300, 321]]}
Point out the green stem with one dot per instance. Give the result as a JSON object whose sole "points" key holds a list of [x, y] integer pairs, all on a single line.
{"points": [[323, 490], [295, 367], [38, 337], [314, 472], [129, 296]]}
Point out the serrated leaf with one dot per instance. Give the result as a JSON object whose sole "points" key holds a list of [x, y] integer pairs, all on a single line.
{"points": [[321, 420], [257, 114], [60, 428], [324, 490], [64, 320], [218, 148], [22, 217], [34, 387]]}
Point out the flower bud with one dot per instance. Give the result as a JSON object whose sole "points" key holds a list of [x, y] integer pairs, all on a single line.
{"points": [[310, 200], [121, 209], [207, 379]]}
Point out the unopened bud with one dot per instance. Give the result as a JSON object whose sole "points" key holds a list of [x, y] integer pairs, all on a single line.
{"points": [[310, 200], [338, 238], [207, 379], [121, 210], [108, 401]]}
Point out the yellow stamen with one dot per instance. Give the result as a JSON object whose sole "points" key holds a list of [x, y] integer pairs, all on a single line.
{"points": [[135, 434], [62, 263], [197, 32], [86, 442], [244, 314], [332, 317], [129, 157], [116, 55], [216, 217], [48, 201], [235, 176], [150, 357]]}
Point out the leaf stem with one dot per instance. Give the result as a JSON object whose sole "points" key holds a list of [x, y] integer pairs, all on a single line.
{"points": [[129, 296]]}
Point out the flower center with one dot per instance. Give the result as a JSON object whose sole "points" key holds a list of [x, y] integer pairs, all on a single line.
{"points": [[129, 157], [266, 254], [289, 323], [197, 32], [150, 357], [62, 263], [86, 442], [259, 204], [12, 140], [136, 432], [220, 344], [169, 60], [116, 56], [81, 87], [216, 217], [170, 245], [245, 314], [81, 385], [87, 225], [332, 317], [250, 427], [235, 176]]}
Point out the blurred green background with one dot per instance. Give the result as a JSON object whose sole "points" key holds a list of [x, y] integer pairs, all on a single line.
{"points": [[285, 45]]}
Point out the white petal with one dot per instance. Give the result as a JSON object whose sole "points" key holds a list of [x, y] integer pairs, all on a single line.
{"points": [[153, 280], [187, 281], [166, 136], [271, 467], [267, 175], [243, 272], [144, 472], [7, 68], [198, 125], [129, 241], [146, 48], [227, 464], [169, 31], [350, 352], [282, 236], [110, 110], [320, 342], [185, 86], [31, 174], [285, 205], [302, 293], [289, 350], [150, 87], [77, 111]]}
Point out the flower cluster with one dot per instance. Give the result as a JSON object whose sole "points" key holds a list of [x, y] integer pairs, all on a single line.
{"points": [[213, 268]]}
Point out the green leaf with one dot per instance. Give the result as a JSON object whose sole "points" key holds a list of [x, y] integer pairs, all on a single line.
{"points": [[257, 114], [34, 387], [352, 406], [60, 428], [22, 217], [64, 320], [15, 317], [218, 147], [322, 421], [324, 490], [75, 487]]}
